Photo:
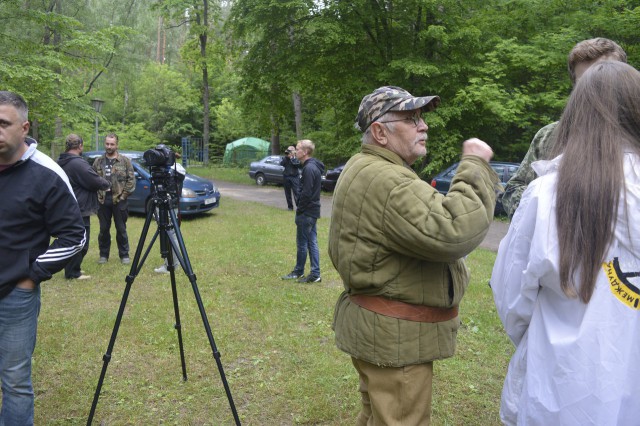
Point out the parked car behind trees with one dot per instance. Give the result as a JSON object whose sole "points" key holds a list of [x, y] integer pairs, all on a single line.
{"points": [[442, 181]]}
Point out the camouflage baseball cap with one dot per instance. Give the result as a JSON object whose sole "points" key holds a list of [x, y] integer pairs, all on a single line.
{"points": [[390, 98]]}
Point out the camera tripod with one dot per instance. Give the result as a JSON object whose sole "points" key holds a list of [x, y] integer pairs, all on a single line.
{"points": [[160, 205]]}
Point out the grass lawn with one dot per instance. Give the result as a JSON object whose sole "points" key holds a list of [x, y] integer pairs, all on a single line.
{"points": [[275, 337]]}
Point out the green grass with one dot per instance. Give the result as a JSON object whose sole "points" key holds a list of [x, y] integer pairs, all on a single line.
{"points": [[275, 339], [229, 174]]}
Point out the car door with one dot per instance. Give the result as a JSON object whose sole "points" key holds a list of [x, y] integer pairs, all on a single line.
{"points": [[273, 169]]}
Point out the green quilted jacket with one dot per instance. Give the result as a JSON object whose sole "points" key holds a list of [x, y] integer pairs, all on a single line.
{"points": [[394, 235]]}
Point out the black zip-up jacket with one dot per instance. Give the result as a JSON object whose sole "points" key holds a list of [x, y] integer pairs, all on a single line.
{"points": [[291, 166], [37, 204], [84, 181], [308, 201]]}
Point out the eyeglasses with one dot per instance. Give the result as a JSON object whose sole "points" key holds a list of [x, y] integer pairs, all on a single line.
{"points": [[415, 119]]}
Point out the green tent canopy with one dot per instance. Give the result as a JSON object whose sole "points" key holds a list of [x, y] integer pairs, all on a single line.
{"points": [[243, 151]]}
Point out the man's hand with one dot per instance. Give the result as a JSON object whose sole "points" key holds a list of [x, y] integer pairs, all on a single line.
{"points": [[475, 146]]}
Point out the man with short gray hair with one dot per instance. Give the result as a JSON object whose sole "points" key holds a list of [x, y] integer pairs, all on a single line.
{"points": [[85, 183], [399, 247], [41, 231]]}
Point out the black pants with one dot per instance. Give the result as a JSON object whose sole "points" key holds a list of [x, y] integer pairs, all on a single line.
{"points": [[291, 184], [120, 214], [72, 270]]}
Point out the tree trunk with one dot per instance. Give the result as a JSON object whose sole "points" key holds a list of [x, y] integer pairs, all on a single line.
{"points": [[297, 107], [205, 77], [275, 135]]}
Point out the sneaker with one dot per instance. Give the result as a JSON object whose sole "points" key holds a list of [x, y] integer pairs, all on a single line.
{"points": [[81, 277], [292, 276], [310, 279], [161, 270], [103, 260], [125, 260]]}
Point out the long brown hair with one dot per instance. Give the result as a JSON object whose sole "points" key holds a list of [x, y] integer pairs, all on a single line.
{"points": [[600, 121]]}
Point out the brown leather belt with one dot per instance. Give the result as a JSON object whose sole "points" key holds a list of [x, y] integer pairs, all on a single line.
{"points": [[401, 310]]}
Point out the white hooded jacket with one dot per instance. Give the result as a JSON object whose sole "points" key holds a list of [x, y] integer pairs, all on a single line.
{"points": [[574, 364]]}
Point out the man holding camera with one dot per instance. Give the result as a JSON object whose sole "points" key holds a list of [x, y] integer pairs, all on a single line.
{"points": [[291, 174], [117, 169]]}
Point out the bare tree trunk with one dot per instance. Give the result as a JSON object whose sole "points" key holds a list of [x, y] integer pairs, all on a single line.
{"points": [[205, 76], [297, 107], [275, 135]]}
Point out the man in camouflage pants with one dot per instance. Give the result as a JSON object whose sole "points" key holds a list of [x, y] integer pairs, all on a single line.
{"points": [[581, 57]]}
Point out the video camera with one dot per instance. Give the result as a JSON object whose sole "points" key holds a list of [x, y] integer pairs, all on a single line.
{"points": [[163, 177], [159, 156]]}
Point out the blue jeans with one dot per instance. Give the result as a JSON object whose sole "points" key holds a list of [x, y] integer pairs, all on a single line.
{"points": [[307, 240], [18, 327]]}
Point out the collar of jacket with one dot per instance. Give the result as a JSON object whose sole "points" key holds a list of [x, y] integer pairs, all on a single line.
{"points": [[390, 156]]}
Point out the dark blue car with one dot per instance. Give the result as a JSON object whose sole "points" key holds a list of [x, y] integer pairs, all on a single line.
{"points": [[442, 180], [199, 195]]}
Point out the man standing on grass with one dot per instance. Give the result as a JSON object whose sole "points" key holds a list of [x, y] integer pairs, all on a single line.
{"points": [[291, 176], [399, 247], [307, 214], [117, 169], [37, 205], [85, 183]]}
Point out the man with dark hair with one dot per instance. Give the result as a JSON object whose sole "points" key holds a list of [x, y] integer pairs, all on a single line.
{"points": [[291, 176], [117, 169], [399, 247], [581, 57], [307, 214], [85, 183], [37, 204]]}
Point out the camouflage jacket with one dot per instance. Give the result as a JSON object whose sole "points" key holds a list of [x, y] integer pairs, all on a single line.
{"points": [[539, 149], [123, 181]]}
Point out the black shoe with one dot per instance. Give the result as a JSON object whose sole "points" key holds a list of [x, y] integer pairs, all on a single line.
{"points": [[310, 279], [292, 276]]}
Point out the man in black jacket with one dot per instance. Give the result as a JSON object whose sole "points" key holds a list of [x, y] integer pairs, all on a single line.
{"points": [[37, 204], [85, 183], [291, 176], [307, 214]]}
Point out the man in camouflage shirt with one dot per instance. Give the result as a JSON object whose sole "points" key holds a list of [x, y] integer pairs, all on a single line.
{"points": [[581, 57], [117, 169]]}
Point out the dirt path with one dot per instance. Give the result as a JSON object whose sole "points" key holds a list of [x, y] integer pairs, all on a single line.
{"points": [[274, 196]]}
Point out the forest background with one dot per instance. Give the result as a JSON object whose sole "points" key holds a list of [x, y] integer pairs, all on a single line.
{"points": [[283, 70]]}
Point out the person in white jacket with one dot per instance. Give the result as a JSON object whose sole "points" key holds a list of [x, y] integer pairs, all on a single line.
{"points": [[566, 281]]}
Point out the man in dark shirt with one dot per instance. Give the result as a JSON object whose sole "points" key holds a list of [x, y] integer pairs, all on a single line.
{"points": [[85, 183], [291, 175], [37, 204], [307, 214]]}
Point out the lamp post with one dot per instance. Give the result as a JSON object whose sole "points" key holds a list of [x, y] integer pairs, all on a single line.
{"points": [[97, 105]]}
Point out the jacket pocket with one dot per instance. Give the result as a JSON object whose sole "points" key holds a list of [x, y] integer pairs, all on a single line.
{"points": [[459, 281]]}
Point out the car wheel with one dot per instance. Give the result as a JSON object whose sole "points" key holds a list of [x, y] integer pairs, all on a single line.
{"points": [[260, 180]]}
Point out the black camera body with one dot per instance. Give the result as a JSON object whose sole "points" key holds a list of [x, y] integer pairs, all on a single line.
{"points": [[160, 156], [163, 177]]}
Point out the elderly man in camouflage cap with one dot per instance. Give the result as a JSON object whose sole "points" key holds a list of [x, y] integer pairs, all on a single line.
{"points": [[399, 247]]}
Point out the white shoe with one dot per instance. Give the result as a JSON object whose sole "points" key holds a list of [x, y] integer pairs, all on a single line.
{"points": [[161, 270]]}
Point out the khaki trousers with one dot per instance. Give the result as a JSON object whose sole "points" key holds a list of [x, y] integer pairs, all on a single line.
{"points": [[394, 395]]}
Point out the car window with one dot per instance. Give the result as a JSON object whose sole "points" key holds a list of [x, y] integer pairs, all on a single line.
{"points": [[451, 173], [499, 169]]}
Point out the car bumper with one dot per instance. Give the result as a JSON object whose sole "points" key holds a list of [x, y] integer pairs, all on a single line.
{"points": [[199, 204]]}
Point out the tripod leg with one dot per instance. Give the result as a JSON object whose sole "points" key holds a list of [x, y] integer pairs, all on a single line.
{"points": [[134, 269], [186, 265], [176, 311]]}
